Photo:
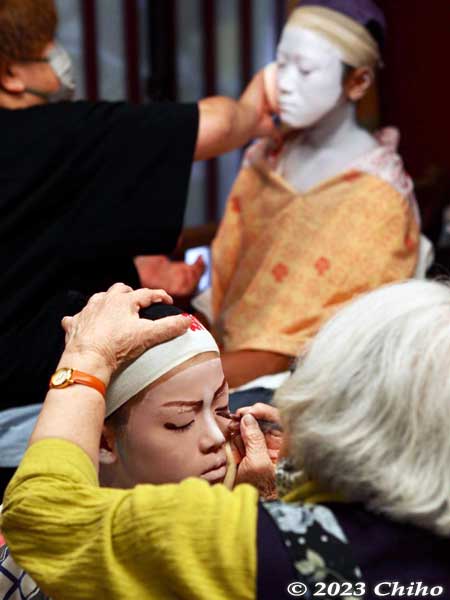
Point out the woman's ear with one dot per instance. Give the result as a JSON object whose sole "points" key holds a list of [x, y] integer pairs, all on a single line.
{"points": [[108, 446], [11, 81], [358, 83]]}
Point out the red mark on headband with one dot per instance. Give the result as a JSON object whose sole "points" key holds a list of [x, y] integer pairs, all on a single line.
{"points": [[195, 323]]}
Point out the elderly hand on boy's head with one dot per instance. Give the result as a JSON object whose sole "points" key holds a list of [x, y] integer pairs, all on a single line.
{"points": [[109, 325]]}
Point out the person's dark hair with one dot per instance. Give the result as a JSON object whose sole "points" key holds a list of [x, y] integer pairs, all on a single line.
{"points": [[159, 311], [346, 72], [26, 27], [377, 32]]}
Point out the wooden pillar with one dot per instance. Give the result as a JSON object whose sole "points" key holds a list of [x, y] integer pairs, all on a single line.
{"points": [[90, 47]]}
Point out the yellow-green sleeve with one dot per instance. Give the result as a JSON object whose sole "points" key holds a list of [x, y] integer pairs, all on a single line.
{"points": [[79, 541]]}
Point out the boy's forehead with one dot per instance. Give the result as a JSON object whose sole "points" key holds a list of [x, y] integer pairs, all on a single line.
{"points": [[190, 381], [198, 359], [302, 42]]}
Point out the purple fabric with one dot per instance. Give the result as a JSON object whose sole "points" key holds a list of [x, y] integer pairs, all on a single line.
{"points": [[384, 551], [389, 551], [362, 11]]}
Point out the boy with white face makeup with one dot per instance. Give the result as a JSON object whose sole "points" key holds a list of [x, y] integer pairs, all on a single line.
{"points": [[309, 73], [162, 423], [316, 93], [328, 214]]}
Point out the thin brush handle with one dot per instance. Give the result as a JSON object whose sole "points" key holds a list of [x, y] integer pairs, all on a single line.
{"points": [[264, 425]]}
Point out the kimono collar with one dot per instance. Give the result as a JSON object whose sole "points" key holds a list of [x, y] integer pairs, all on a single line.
{"points": [[294, 486]]}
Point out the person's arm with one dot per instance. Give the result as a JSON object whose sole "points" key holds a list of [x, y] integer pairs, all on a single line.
{"points": [[243, 366], [58, 523], [96, 344], [227, 124], [79, 541]]}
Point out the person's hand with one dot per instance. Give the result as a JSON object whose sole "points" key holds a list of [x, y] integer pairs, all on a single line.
{"points": [[255, 95], [256, 466], [273, 437], [109, 327], [176, 277], [182, 279]]}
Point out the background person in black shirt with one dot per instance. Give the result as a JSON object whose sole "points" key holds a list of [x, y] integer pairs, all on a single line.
{"points": [[84, 187]]}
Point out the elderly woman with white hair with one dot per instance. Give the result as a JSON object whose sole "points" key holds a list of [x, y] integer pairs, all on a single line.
{"points": [[367, 414], [365, 480]]}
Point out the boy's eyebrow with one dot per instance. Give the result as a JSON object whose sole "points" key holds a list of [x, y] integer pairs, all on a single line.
{"points": [[184, 403], [198, 402], [220, 388]]}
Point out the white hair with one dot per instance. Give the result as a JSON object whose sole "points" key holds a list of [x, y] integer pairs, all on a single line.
{"points": [[367, 411]]}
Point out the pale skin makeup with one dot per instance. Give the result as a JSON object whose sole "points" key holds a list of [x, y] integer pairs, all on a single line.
{"points": [[309, 77], [314, 98], [173, 430]]}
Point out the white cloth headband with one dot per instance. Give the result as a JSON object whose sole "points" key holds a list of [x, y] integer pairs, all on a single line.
{"points": [[357, 46], [157, 361]]}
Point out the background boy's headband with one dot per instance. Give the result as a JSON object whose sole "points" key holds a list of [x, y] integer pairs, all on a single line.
{"points": [[159, 360], [358, 47]]}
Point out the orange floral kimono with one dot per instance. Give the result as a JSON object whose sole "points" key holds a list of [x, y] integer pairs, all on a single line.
{"points": [[283, 261]]}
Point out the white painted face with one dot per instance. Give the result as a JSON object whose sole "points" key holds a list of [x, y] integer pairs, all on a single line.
{"points": [[310, 72]]}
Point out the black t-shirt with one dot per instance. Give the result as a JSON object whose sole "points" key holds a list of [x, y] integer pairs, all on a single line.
{"points": [[84, 187]]}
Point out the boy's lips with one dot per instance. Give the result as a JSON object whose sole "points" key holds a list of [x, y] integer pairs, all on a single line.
{"points": [[216, 472]]}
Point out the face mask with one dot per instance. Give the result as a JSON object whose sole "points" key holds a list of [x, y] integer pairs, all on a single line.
{"points": [[61, 63]]}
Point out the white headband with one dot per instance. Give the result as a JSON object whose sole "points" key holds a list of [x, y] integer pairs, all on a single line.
{"points": [[357, 46], [157, 361]]}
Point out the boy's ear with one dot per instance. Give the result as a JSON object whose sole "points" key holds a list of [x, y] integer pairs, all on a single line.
{"points": [[108, 447], [358, 83], [12, 82]]}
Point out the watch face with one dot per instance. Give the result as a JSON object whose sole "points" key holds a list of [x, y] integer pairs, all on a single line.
{"points": [[61, 377]]}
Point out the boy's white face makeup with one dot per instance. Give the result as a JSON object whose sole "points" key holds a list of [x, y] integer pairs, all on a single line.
{"points": [[310, 72], [174, 432]]}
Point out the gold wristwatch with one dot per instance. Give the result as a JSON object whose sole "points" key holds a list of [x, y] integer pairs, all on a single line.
{"points": [[65, 377]]}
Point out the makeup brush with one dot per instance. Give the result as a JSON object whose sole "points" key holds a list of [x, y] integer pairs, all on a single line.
{"points": [[264, 425]]}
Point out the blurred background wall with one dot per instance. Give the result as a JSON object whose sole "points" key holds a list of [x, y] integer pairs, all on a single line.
{"points": [[185, 49]]}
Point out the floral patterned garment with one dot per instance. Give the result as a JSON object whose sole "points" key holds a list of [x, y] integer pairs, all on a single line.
{"points": [[15, 584], [316, 545], [283, 262]]}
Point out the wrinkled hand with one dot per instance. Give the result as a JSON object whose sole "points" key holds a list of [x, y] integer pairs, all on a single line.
{"points": [[273, 438], [256, 466], [176, 277], [255, 95], [109, 326]]}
